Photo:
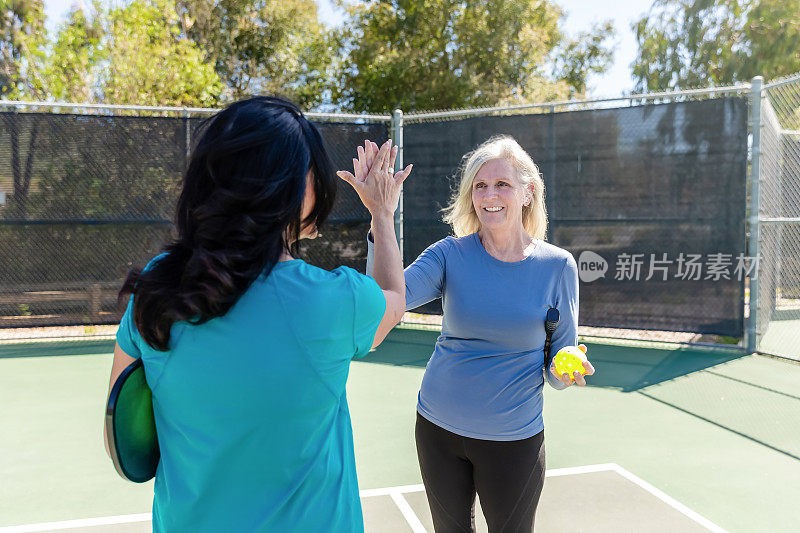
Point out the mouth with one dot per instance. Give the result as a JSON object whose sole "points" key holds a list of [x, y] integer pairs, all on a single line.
{"points": [[493, 209]]}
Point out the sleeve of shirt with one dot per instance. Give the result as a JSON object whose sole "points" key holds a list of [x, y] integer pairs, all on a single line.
{"points": [[566, 333], [425, 276], [369, 308], [127, 332]]}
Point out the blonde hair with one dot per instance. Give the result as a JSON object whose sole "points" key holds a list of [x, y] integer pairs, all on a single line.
{"points": [[460, 213]]}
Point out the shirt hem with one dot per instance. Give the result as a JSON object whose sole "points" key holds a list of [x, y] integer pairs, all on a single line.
{"points": [[538, 428]]}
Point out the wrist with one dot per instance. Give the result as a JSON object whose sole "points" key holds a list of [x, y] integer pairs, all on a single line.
{"points": [[382, 214]]}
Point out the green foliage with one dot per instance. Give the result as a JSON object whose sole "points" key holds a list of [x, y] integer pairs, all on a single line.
{"points": [[694, 43], [265, 47], [773, 33], [437, 54], [72, 70], [585, 54], [131, 54], [22, 44], [151, 63]]}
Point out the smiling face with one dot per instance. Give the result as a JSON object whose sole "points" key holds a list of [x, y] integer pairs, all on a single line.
{"points": [[497, 195]]}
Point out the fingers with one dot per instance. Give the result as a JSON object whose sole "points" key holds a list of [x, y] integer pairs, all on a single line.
{"points": [[347, 176], [372, 150], [381, 160], [589, 368], [361, 167], [401, 176], [392, 157], [387, 157], [565, 379], [579, 379]]}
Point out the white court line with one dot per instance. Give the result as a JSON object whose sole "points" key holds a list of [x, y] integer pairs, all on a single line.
{"points": [[669, 500], [396, 495], [573, 470], [387, 491], [408, 513], [83, 522]]}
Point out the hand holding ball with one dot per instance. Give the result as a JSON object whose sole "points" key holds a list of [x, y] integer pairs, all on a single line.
{"points": [[569, 360]]}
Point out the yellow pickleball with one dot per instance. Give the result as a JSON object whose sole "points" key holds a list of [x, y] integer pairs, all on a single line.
{"points": [[568, 360]]}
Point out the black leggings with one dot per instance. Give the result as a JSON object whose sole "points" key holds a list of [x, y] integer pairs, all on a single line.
{"points": [[507, 475]]}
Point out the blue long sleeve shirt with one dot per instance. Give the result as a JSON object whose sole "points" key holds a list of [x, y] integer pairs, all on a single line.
{"points": [[485, 377]]}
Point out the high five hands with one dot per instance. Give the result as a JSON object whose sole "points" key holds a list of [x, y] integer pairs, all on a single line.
{"points": [[374, 179]]}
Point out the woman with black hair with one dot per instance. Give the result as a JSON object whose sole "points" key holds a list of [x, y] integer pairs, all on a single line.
{"points": [[247, 348]]}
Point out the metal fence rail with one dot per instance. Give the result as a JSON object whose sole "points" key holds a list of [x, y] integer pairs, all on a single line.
{"points": [[776, 212], [68, 217], [88, 193]]}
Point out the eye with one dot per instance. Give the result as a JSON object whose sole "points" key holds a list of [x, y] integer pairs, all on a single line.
{"points": [[502, 184], [480, 185]]}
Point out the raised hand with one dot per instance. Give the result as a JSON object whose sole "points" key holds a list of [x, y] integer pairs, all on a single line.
{"points": [[374, 179], [366, 158]]}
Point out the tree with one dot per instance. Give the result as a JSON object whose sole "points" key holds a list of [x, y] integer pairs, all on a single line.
{"points": [[692, 43], [773, 33], [76, 56], [437, 54], [585, 54], [134, 54], [150, 62], [270, 46], [22, 42]]}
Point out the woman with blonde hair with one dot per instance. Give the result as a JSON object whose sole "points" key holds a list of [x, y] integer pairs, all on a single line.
{"points": [[479, 412]]}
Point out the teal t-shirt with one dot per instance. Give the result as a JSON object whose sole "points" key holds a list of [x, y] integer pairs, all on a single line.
{"points": [[251, 409]]}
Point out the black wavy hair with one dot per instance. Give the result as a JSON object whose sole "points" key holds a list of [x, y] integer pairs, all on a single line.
{"points": [[240, 207]]}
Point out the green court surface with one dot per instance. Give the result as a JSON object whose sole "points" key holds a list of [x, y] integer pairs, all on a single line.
{"points": [[664, 439], [782, 336]]}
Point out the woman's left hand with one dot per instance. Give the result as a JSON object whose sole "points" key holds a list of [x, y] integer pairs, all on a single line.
{"points": [[578, 377]]}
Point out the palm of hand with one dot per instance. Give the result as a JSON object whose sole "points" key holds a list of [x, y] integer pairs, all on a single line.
{"points": [[373, 179]]}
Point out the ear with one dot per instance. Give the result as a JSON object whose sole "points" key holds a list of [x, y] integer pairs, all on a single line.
{"points": [[528, 195]]}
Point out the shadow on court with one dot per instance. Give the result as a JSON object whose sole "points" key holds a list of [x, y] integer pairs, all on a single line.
{"points": [[50, 349], [719, 433], [740, 394], [624, 368]]}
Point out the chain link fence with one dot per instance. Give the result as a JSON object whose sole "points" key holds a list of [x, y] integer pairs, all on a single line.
{"points": [[84, 197], [649, 193], [777, 169]]}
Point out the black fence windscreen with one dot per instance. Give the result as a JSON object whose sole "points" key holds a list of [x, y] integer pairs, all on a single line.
{"points": [[649, 199], [84, 198]]}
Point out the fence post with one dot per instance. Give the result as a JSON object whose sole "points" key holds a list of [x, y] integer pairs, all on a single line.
{"points": [[396, 133], [550, 186], [95, 302], [188, 134], [755, 209]]}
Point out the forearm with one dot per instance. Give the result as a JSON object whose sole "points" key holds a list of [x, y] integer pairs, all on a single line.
{"points": [[387, 264]]}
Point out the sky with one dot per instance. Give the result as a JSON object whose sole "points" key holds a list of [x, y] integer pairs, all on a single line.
{"points": [[580, 15]]}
